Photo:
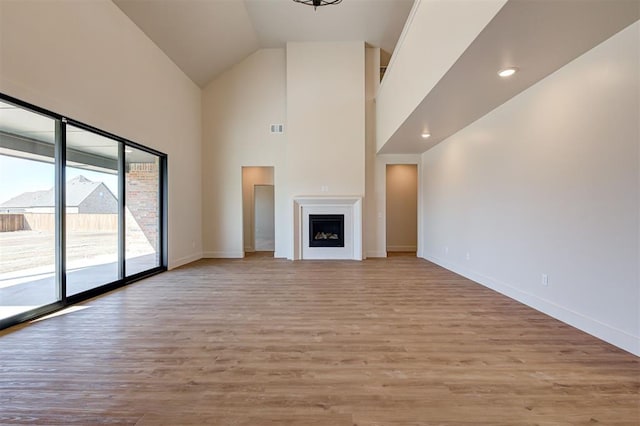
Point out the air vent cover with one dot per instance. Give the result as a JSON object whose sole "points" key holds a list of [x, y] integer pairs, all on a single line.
{"points": [[277, 128]]}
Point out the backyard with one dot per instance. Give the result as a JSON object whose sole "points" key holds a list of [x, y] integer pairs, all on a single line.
{"points": [[27, 264]]}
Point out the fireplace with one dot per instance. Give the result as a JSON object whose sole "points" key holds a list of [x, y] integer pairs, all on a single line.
{"points": [[326, 230], [344, 208]]}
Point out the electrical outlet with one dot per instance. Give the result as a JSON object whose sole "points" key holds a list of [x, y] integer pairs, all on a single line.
{"points": [[468, 256], [545, 280], [324, 188], [446, 250]]}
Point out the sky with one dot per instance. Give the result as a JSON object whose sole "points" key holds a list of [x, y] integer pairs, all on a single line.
{"points": [[18, 176]]}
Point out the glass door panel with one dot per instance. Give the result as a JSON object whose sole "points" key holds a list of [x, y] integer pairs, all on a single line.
{"points": [[142, 211], [92, 212], [27, 211]]}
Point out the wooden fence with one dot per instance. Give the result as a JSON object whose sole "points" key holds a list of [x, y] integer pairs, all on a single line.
{"points": [[12, 222], [45, 222]]}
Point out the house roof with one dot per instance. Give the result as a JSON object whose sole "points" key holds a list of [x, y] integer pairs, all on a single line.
{"points": [[77, 190]]}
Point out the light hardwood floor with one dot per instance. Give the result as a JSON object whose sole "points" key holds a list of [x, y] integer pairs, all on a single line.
{"points": [[259, 341]]}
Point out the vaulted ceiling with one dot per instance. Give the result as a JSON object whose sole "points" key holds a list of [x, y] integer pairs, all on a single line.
{"points": [[206, 37]]}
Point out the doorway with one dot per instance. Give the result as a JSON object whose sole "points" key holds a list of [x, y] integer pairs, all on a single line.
{"points": [[258, 210], [402, 209]]}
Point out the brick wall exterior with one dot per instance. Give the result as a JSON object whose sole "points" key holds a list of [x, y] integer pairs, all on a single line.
{"points": [[141, 198]]}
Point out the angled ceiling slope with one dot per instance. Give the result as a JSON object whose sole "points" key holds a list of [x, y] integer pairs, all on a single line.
{"points": [[202, 37], [538, 37], [206, 37]]}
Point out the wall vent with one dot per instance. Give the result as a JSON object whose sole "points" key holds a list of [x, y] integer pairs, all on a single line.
{"points": [[277, 128]]}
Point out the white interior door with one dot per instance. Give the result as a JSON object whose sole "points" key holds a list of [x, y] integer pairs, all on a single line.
{"points": [[264, 218]]}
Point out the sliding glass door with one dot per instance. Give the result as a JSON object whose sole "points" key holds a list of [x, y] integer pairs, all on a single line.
{"points": [[92, 212], [142, 213], [81, 211], [27, 222]]}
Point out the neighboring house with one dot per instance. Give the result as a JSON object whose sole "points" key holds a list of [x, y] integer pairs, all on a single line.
{"points": [[83, 196]]}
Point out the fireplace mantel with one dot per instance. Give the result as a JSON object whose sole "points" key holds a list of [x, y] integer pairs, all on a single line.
{"points": [[350, 206]]}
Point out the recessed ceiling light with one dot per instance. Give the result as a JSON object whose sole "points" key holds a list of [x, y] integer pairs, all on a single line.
{"points": [[425, 135], [507, 72]]}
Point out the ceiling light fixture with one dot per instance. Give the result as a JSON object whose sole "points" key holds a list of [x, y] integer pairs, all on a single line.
{"points": [[425, 135], [128, 151], [316, 3], [507, 72]]}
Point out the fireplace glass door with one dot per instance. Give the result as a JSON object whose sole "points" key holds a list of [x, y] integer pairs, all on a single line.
{"points": [[326, 230]]}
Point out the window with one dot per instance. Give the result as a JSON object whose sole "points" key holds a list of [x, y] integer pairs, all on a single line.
{"points": [[142, 213], [91, 194], [81, 211], [27, 219]]}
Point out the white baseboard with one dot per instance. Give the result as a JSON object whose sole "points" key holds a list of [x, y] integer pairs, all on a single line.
{"points": [[278, 255], [176, 263], [223, 254], [609, 334], [376, 253]]}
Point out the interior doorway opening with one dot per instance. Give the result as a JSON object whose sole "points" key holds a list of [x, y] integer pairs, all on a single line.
{"points": [[258, 210], [402, 209]]}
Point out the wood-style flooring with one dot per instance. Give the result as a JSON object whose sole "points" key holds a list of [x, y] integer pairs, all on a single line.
{"points": [[258, 341]]}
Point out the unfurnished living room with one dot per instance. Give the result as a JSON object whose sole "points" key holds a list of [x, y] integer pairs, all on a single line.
{"points": [[320, 212]]}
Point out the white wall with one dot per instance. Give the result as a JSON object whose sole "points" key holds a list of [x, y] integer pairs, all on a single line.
{"points": [[325, 118], [373, 207], [436, 34], [269, 88], [237, 109], [402, 207], [549, 183], [88, 61]]}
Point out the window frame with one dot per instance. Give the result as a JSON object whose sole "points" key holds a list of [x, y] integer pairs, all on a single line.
{"points": [[60, 150]]}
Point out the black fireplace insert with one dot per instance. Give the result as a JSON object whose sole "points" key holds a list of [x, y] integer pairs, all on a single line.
{"points": [[326, 230]]}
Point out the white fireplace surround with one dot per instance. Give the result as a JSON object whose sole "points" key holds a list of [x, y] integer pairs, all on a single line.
{"points": [[349, 206]]}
